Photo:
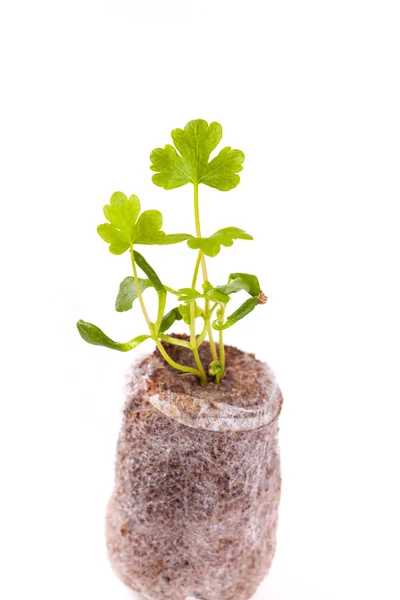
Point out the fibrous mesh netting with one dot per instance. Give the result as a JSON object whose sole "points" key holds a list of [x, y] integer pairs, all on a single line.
{"points": [[195, 508]]}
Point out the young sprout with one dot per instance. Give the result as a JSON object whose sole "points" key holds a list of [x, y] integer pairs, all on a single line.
{"points": [[187, 161]]}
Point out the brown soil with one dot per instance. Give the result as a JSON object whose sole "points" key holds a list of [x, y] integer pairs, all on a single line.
{"points": [[195, 507], [244, 383]]}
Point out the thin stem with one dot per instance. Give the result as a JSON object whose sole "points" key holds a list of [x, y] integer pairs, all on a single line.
{"points": [[211, 339], [221, 347], [139, 293], [175, 292], [202, 336], [214, 306], [193, 343], [171, 362], [161, 348], [196, 269], [175, 341], [202, 260], [198, 230]]}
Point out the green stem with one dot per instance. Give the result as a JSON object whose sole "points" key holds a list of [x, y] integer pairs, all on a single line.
{"points": [[139, 293], [221, 347], [171, 362], [196, 270], [161, 348], [175, 341], [171, 291], [211, 339], [203, 335], [202, 260], [198, 230], [193, 343]]}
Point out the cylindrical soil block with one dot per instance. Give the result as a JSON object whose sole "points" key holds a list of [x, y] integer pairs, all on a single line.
{"points": [[195, 507]]}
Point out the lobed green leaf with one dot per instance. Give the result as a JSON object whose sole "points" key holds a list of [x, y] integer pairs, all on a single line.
{"points": [[191, 163], [125, 228], [122, 213]]}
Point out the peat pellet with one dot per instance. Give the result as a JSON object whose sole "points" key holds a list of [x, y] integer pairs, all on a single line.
{"points": [[194, 511]]}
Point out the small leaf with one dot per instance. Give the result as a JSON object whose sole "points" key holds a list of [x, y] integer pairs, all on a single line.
{"points": [[216, 367], [236, 316], [188, 295], [241, 281], [184, 309], [206, 286], [128, 292], [211, 246], [93, 335], [125, 228], [169, 319]]}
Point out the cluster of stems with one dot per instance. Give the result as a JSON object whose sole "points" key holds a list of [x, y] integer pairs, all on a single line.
{"points": [[195, 340]]}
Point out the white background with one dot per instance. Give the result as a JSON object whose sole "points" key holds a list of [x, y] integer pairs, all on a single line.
{"points": [[310, 91]]}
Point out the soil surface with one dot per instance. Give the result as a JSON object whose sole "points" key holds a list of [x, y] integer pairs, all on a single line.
{"points": [[245, 383]]}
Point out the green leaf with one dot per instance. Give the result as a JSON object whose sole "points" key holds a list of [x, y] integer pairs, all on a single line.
{"points": [[184, 310], [241, 281], [222, 171], [126, 229], [195, 143], [156, 282], [191, 163], [211, 246], [163, 239], [150, 272], [113, 236], [148, 225], [128, 292], [216, 295], [170, 168], [169, 319], [216, 367], [188, 295], [93, 335], [236, 316], [122, 212]]}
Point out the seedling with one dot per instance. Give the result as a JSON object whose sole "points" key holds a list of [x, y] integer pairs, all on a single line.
{"points": [[187, 161]]}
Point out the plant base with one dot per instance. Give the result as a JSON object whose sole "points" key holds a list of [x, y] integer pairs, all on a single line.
{"points": [[194, 512]]}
